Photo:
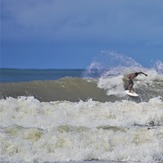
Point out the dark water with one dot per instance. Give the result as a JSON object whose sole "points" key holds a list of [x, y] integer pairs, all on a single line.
{"points": [[24, 75]]}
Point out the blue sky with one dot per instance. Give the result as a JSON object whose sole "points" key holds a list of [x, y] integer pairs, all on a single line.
{"points": [[70, 33]]}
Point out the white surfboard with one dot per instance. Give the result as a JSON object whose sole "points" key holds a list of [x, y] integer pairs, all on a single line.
{"points": [[132, 93]]}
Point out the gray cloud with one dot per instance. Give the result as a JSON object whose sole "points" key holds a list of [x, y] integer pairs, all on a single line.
{"points": [[83, 19]]}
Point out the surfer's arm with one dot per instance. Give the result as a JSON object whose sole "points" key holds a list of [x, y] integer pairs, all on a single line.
{"points": [[142, 73]]}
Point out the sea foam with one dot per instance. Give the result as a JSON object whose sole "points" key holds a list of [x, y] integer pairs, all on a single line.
{"points": [[34, 131]]}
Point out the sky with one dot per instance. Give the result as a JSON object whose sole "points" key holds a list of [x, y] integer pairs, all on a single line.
{"points": [[71, 33]]}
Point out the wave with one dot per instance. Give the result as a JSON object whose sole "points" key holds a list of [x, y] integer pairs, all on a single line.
{"points": [[104, 80], [34, 131], [71, 89], [84, 118], [105, 88], [112, 69], [147, 87], [111, 88]]}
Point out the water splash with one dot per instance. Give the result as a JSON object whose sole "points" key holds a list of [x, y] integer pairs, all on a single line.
{"points": [[109, 63], [158, 66]]}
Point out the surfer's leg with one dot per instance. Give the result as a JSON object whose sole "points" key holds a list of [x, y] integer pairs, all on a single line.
{"points": [[130, 85]]}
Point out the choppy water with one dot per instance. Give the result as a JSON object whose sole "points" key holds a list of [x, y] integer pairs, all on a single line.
{"points": [[81, 118]]}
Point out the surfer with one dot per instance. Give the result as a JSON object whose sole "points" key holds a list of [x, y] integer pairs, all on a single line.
{"points": [[132, 76]]}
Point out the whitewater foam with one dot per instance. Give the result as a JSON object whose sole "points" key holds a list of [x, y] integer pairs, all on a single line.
{"points": [[62, 131], [113, 85], [29, 112]]}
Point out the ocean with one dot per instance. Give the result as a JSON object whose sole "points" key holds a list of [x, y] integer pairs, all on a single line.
{"points": [[81, 115]]}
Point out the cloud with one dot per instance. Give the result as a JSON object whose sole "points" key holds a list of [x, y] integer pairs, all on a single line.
{"points": [[82, 20]]}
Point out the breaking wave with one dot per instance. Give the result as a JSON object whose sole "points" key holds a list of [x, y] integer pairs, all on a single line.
{"points": [[88, 118]]}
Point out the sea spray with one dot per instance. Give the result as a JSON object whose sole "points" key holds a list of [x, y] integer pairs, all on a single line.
{"points": [[158, 66], [109, 63]]}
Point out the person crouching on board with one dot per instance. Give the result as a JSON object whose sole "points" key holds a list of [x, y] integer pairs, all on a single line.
{"points": [[132, 76]]}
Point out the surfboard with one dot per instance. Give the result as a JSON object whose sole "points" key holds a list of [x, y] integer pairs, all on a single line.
{"points": [[132, 93]]}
